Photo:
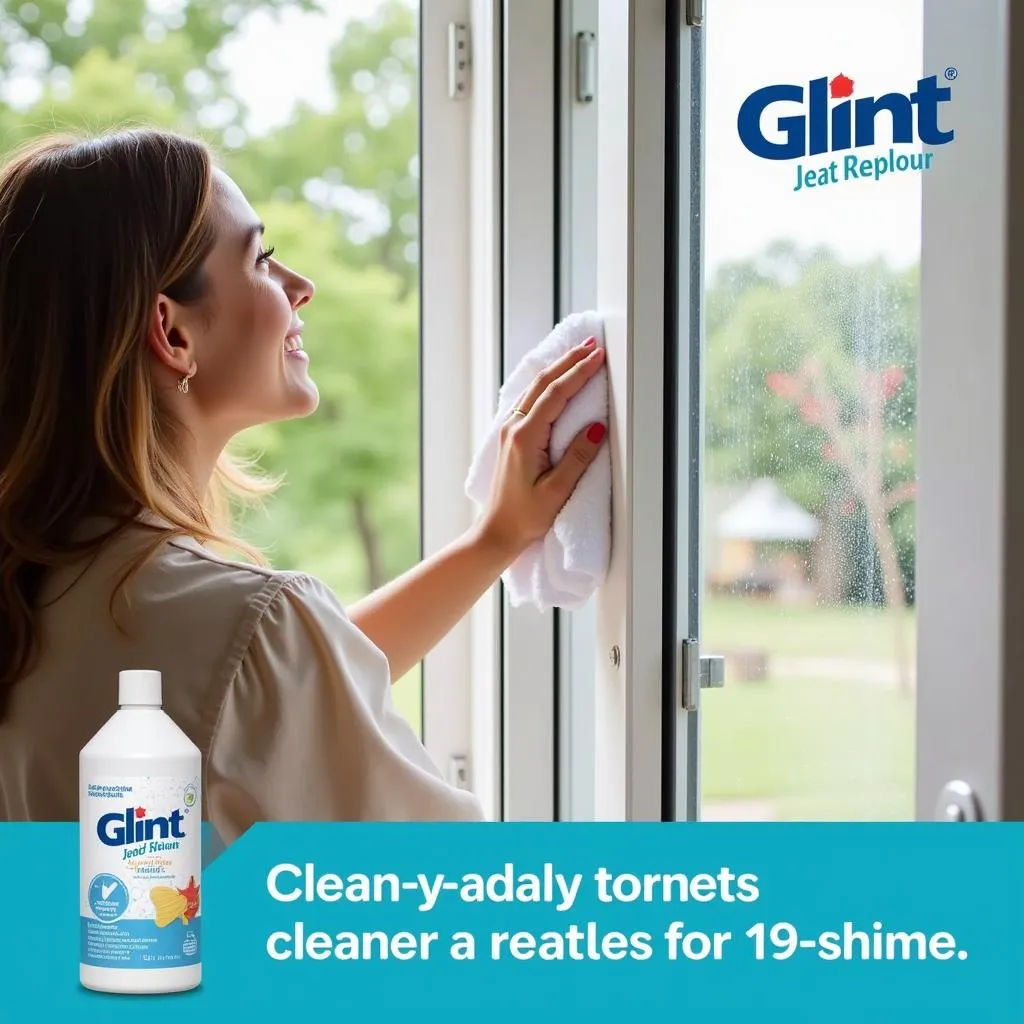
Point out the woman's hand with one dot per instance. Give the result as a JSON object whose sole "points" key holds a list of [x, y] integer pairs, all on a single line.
{"points": [[527, 492], [407, 617]]}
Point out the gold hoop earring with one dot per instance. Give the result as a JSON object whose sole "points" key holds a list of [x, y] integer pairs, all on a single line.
{"points": [[183, 385]]}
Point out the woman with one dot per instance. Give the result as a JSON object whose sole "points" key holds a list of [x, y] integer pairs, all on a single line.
{"points": [[142, 325]]}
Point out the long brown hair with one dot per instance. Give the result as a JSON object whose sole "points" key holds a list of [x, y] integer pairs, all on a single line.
{"points": [[92, 230]]}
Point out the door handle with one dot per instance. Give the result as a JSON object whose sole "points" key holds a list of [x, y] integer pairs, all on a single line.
{"points": [[958, 802], [707, 672]]}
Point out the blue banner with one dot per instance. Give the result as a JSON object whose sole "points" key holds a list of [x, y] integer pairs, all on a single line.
{"points": [[541, 922]]}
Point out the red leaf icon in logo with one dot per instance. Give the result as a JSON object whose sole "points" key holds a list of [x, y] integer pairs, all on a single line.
{"points": [[140, 812], [840, 87], [191, 894]]}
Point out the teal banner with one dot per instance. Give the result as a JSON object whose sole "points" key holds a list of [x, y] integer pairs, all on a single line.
{"points": [[559, 922]]}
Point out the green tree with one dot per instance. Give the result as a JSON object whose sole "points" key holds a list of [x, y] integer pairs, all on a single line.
{"points": [[364, 149], [770, 315], [173, 49]]}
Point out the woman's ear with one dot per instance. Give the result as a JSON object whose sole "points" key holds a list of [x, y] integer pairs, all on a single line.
{"points": [[168, 338]]}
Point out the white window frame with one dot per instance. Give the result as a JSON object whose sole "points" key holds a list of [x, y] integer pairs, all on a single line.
{"points": [[577, 245], [970, 701], [523, 280], [488, 294], [534, 258], [631, 206], [485, 300], [681, 795], [445, 369], [528, 313]]}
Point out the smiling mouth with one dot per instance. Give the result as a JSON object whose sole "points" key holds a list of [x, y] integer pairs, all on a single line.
{"points": [[293, 343]]}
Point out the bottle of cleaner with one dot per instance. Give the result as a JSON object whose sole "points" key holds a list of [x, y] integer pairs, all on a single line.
{"points": [[141, 847]]}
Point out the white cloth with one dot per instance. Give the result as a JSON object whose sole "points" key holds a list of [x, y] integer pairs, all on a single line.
{"points": [[565, 567]]}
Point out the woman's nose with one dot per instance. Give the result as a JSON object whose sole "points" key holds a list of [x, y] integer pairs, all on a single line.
{"points": [[300, 290]]}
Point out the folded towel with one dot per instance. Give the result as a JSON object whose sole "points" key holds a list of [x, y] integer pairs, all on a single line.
{"points": [[565, 567]]}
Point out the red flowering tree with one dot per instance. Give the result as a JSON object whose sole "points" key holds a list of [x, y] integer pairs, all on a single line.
{"points": [[855, 438]]}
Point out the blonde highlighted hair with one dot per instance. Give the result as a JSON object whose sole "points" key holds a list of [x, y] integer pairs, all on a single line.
{"points": [[92, 230]]}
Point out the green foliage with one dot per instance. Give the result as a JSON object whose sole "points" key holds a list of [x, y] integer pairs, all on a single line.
{"points": [[368, 143], [751, 433], [163, 41], [103, 92]]}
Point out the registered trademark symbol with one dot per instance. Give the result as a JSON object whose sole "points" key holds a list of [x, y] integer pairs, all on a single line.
{"points": [[951, 73]]}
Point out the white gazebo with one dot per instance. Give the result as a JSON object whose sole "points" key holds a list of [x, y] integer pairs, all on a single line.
{"points": [[762, 515], [765, 514]]}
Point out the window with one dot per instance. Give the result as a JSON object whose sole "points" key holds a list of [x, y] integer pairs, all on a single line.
{"points": [[811, 338], [819, 366]]}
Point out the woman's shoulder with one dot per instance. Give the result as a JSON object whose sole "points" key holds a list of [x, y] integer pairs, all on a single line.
{"points": [[190, 566], [223, 612], [185, 580]]}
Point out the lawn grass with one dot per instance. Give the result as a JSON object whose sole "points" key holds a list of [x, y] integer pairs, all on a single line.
{"points": [[809, 748], [802, 630]]}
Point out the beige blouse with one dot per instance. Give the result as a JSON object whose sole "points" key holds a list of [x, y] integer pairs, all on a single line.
{"points": [[288, 701]]}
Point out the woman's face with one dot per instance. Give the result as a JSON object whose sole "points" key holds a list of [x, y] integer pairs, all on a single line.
{"points": [[243, 340]]}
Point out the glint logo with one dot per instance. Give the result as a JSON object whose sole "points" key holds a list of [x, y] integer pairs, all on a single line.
{"points": [[134, 826], [830, 119]]}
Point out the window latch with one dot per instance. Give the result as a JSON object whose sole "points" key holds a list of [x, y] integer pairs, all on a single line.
{"points": [[458, 771], [698, 672]]}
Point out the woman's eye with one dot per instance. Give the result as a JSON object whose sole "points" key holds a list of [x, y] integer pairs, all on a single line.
{"points": [[265, 255]]}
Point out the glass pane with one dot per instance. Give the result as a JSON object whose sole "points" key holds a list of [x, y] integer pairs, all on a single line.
{"points": [[811, 328], [314, 112]]}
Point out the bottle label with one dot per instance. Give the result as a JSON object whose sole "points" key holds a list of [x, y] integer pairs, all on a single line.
{"points": [[141, 858]]}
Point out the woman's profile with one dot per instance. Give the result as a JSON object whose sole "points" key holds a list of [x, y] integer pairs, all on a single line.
{"points": [[143, 324]]}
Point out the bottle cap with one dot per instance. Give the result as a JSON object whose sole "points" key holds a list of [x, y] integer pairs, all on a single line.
{"points": [[139, 686]]}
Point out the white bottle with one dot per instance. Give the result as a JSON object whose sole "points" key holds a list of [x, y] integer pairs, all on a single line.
{"points": [[140, 818]]}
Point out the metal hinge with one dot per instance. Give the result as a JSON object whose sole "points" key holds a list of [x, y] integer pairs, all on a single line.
{"points": [[458, 771], [586, 67], [704, 672], [695, 13], [458, 60]]}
